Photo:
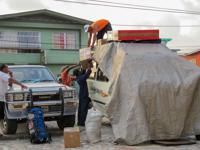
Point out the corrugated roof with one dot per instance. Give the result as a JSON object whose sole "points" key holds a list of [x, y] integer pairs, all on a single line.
{"points": [[48, 12]]}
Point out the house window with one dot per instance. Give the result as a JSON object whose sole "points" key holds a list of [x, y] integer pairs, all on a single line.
{"points": [[21, 39], [59, 40], [65, 40], [8, 39], [29, 40]]}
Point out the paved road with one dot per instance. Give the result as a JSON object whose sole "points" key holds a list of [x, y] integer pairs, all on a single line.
{"points": [[20, 141]]}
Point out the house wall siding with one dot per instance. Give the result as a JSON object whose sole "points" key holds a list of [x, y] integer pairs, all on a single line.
{"points": [[53, 58]]}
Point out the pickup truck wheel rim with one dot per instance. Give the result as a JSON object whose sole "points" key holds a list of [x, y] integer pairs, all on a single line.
{"points": [[4, 124], [9, 126]]}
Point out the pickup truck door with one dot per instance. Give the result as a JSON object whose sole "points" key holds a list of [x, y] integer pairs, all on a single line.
{"points": [[98, 92]]}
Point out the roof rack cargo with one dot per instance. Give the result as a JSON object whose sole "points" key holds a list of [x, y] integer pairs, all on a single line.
{"points": [[133, 35]]}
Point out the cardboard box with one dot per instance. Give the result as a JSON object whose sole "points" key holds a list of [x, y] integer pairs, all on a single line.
{"points": [[84, 63], [72, 137], [85, 53], [128, 35]]}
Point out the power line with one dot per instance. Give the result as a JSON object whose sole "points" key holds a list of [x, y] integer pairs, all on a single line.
{"points": [[138, 8], [144, 6], [164, 26]]}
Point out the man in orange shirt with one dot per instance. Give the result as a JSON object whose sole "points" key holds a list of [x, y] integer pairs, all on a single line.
{"points": [[66, 77], [97, 30]]}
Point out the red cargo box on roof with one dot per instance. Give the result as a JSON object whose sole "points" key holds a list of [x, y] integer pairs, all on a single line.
{"points": [[126, 35]]}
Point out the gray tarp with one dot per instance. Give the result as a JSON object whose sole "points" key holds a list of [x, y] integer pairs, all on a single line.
{"points": [[154, 92]]}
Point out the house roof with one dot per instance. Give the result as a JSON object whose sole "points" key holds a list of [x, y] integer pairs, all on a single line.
{"points": [[45, 12], [185, 53]]}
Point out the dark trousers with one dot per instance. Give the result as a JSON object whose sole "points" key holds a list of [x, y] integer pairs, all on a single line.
{"points": [[101, 33], [1, 110], [82, 110]]}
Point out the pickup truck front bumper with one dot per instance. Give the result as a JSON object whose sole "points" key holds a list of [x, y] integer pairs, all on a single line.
{"points": [[19, 110]]}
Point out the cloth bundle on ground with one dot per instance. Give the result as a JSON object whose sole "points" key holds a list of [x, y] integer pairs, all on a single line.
{"points": [[93, 126], [154, 92]]}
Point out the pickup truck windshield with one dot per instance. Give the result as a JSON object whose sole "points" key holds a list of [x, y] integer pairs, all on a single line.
{"points": [[32, 74]]}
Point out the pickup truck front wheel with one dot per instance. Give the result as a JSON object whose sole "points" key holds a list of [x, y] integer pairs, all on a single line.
{"points": [[66, 121], [8, 126], [198, 137]]}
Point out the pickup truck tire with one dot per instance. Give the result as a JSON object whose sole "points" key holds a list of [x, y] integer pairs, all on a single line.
{"points": [[66, 121], [8, 126], [198, 137]]}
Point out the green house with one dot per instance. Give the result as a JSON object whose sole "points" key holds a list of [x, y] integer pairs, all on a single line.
{"points": [[41, 37]]}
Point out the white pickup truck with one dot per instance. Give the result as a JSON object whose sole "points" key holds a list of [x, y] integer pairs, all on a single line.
{"points": [[59, 102]]}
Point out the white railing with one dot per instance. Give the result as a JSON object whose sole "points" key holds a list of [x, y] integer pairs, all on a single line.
{"points": [[26, 40]]}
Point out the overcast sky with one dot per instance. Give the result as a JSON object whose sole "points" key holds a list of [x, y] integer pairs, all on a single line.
{"points": [[183, 37]]}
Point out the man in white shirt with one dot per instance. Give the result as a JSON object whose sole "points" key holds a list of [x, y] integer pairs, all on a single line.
{"points": [[6, 79], [3, 85]]}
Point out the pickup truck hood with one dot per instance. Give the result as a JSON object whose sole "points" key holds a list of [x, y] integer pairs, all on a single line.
{"points": [[42, 86]]}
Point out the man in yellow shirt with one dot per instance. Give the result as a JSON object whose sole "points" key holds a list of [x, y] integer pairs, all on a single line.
{"points": [[97, 30]]}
